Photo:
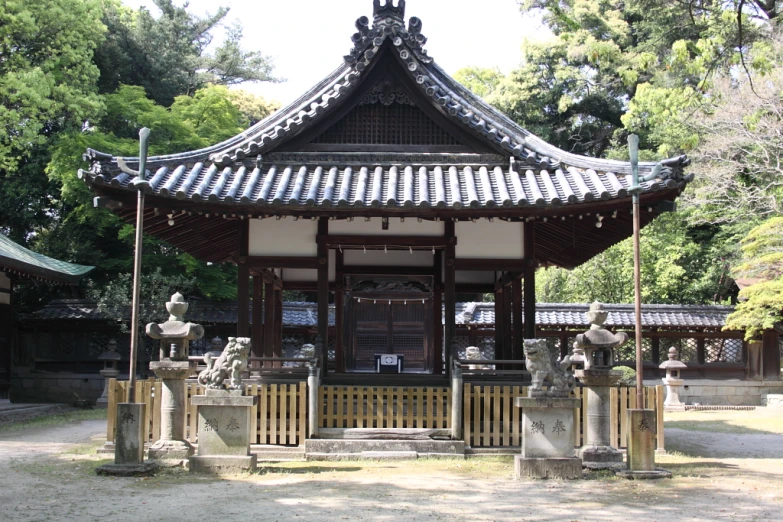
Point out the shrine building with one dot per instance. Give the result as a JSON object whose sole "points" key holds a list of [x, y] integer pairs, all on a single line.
{"points": [[388, 189]]}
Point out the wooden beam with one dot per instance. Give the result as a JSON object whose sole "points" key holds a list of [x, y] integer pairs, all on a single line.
{"points": [[257, 323], [449, 292], [529, 240], [336, 241], [278, 261], [339, 311], [475, 288], [500, 316], [243, 284], [490, 265], [277, 344], [387, 270], [323, 293], [516, 320], [269, 319], [437, 314]]}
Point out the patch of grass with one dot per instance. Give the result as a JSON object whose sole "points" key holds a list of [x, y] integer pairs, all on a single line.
{"points": [[58, 419]]}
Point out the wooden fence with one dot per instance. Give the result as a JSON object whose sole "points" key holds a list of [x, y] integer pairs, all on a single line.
{"points": [[279, 417], [490, 418], [385, 407]]}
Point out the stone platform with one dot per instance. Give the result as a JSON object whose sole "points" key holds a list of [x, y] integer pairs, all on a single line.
{"points": [[329, 449], [547, 439], [223, 432]]}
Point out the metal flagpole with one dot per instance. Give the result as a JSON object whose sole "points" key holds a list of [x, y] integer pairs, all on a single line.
{"points": [[141, 185]]}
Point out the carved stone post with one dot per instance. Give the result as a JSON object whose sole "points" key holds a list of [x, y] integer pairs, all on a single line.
{"points": [[173, 368]]}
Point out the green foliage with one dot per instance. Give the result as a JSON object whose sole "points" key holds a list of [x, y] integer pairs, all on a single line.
{"points": [[480, 81], [761, 303], [670, 261], [253, 107], [46, 72], [760, 309], [170, 55], [114, 300]]}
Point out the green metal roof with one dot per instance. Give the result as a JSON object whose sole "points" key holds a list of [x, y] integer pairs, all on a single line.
{"points": [[17, 260]]}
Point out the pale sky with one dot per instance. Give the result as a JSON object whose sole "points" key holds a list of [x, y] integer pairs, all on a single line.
{"points": [[308, 38]]}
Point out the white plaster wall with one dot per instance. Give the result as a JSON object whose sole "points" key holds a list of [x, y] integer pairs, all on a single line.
{"points": [[298, 274], [410, 227], [284, 237], [5, 283], [392, 258], [496, 240]]}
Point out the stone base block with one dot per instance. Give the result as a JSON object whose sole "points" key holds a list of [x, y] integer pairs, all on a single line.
{"points": [[176, 450], [102, 403], [554, 468], [145, 469], [601, 457], [772, 400], [223, 464], [657, 473]]}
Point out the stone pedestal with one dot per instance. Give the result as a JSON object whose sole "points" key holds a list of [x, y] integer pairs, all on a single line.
{"points": [[597, 452], [103, 400], [172, 445], [547, 439], [642, 430], [224, 420], [129, 443]]}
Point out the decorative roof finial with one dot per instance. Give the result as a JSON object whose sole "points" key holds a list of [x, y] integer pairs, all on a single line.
{"points": [[388, 9]]}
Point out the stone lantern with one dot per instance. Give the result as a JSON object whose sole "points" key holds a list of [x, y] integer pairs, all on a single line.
{"points": [[110, 358], [598, 377], [173, 368], [673, 380]]}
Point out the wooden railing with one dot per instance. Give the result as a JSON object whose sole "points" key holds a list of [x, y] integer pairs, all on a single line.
{"points": [[279, 417], [490, 418], [400, 407]]}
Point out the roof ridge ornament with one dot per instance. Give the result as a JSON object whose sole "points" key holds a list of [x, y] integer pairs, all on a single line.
{"points": [[388, 21], [388, 10]]}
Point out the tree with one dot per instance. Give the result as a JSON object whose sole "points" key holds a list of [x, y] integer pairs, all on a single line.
{"points": [[47, 78], [762, 260], [169, 56]]}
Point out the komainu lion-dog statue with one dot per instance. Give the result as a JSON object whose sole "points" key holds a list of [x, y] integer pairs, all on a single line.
{"points": [[229, 366], [542, 365]]}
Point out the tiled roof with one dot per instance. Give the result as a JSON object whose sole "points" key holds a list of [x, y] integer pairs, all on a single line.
{"points": [[377, 180], [241, 170], [18, 260], [620, 315], [297, 314]]}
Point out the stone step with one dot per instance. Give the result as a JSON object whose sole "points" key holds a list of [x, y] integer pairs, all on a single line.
{"points": [[357, 448]]}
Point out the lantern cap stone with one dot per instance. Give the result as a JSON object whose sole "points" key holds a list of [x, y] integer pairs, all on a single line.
{"points": [[672, 363]]}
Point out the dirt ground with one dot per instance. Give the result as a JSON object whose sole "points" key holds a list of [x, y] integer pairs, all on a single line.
{"points": [[726, 467]]}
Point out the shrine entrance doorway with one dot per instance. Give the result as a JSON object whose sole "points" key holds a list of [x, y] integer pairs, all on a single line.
{"points": [[389, 316]]}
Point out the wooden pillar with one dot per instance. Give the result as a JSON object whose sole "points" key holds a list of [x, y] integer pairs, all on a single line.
{"points": [[500, 319], [277, 344], [770, 355], [269, 320], [323, 294], [516, 312], [243, 283], [339, 311], [700, 355], [437, 314], [257, 329], [450, 311], [655, 344], [507, 326], [529, 241]]}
